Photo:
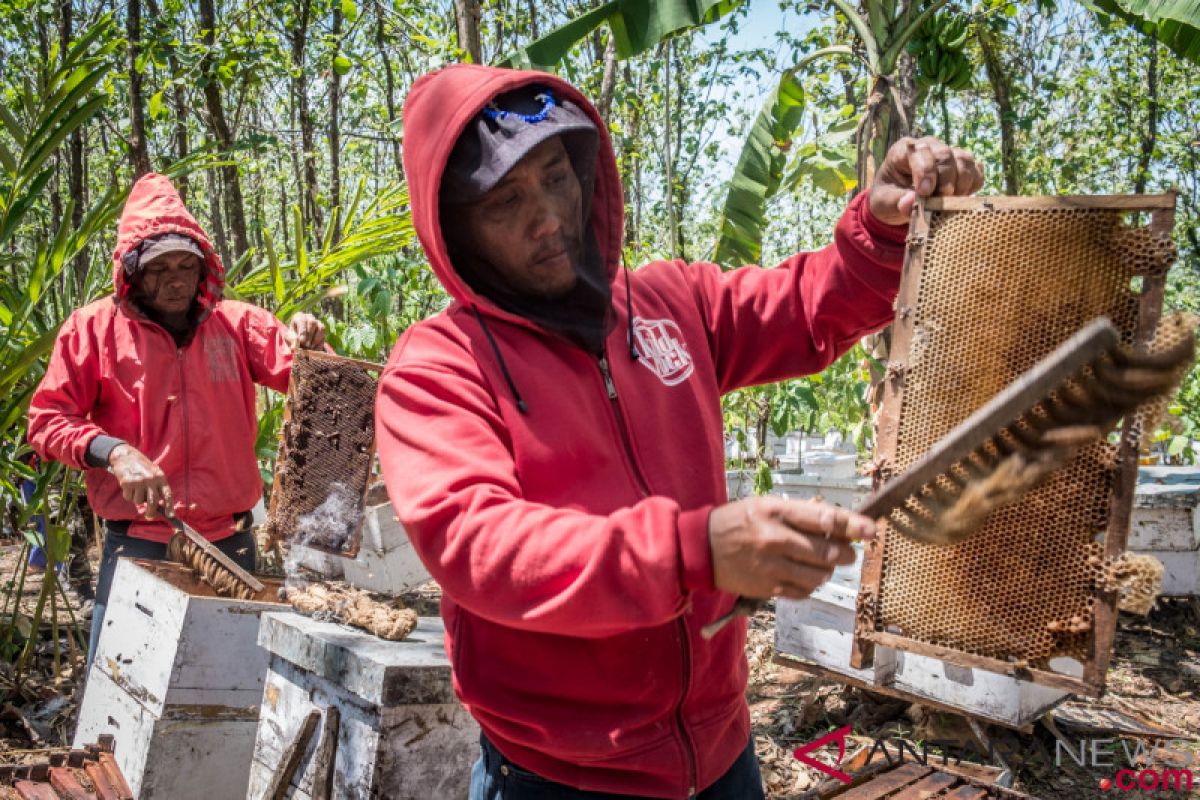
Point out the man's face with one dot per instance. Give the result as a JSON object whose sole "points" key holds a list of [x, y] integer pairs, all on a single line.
{"points": [[529, 226], [168, 283]]}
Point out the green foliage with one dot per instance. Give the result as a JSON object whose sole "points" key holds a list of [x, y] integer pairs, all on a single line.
{"points": [[636, 25], [1176, 23], [40, 292], [758, 174]]}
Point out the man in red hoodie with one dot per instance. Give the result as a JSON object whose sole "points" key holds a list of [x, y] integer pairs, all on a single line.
{"points": [[151, 391], [553, 443]]}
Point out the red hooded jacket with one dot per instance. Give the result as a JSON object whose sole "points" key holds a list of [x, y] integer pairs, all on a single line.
{"points": [[571, 540], [191, 409]]}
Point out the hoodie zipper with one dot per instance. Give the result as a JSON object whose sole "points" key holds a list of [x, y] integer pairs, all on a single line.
{"points": [[611, 388], [688, 746], [684, 646], [187, 457]]}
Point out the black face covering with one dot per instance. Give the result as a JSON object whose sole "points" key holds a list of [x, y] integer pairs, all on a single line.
{"points": [[489, 147]]}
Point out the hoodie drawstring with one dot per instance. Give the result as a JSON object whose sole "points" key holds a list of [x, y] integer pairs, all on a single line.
{"points": [[512, 387], [633, 351], [522, 406]]}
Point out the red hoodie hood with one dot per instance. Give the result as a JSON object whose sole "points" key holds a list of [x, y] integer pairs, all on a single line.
{"points": [[154, 207], [437, 110]]}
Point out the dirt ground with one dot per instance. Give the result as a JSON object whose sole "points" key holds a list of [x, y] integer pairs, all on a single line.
{"points": [[1155, 675]]}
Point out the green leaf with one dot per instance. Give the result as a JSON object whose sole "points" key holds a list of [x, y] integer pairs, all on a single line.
{"points": [[58, 543], [7, 160], [276, 272], [758, 174], [13, 371], [341, 64], [554, 46], [1175, 23], [636, 25], [47, 147], [640, 25], [12, 126], [349, 10], [155, 106], [12, 218]]}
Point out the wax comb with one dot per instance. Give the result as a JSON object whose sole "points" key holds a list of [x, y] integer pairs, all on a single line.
{"points": [[212, 566], [1075, 395]]}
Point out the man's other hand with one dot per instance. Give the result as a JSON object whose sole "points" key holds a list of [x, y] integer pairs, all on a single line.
{"points": [[142, 482], [771, 547], [921, 168], [306, 332]]}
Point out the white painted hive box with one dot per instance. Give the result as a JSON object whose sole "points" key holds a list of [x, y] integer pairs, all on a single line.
{"points": [[386, 561], [1165, 524], [402, 733], [177, 680], [819, 631]]}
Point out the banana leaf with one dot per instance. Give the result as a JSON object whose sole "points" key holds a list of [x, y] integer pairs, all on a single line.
{"points": [[1175, 23], [637, 26], [758, 174]]}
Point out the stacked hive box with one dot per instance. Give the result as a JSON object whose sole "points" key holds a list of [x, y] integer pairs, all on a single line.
{"points": [[386, 561], [1165, 525], [401, 733], [176, 681]]}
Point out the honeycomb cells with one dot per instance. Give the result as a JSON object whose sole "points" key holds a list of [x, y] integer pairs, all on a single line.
{"points": [[327, 446], [999, 289]]}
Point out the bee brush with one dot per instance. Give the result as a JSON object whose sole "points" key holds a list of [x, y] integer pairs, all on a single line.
{"points": [[1072, 397]]}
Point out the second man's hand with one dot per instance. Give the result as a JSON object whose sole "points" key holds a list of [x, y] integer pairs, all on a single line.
{"points": [[306, 332], [921, 168], [142, 481], [771, 547]]}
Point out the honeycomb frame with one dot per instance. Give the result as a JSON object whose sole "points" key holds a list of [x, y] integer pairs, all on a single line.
{"points": [[327, 439], [989, 286]]}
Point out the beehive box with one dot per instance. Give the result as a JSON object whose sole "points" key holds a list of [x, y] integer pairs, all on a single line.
{"points": [[990, 286], [401, 734], [1166, 525], [176, 681], [386, 561]]}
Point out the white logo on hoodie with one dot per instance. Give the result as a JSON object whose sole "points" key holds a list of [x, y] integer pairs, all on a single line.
{"points": [[660, 344]]}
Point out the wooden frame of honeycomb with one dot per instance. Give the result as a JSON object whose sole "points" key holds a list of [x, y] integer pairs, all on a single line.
{"points": [[326, 453], [990, 285]]}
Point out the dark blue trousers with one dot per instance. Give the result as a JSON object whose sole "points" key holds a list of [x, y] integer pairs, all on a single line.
{"points": [[494, 777]]}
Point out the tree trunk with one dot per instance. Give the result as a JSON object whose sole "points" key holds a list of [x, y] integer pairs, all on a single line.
{"points": [[56, 203], [230, 181], [221, 240], [533, 26], [179, 107], [311, 211], [1150, 140], [1001, 85], [335, 144], [672, 224], [390, 91], [467, 13], [609, 83], [635, 129], [75, 182], [139, 155]]}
